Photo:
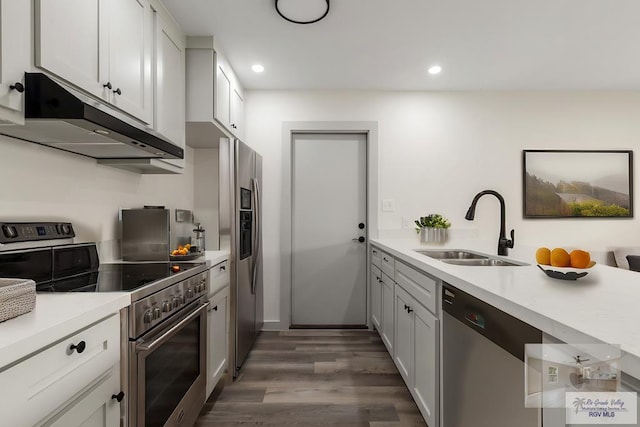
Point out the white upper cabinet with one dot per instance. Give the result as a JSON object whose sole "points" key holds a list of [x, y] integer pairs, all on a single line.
{"points": [[215, 98], [101, 47], [15, 57], [169, 80], [237, 112], [130, 43]]}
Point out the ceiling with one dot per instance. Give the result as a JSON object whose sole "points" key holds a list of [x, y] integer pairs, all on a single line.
{"points": [[389, 44]]}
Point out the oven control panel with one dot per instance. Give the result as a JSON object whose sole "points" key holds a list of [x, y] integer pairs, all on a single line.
{"points": [[14, 232], [152, 310]]}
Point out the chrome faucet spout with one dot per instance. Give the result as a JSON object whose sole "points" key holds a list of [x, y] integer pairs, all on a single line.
{"points": [[503, 242]]}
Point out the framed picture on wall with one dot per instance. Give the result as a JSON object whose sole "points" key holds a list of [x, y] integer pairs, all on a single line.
{"points": [[577, 184]]}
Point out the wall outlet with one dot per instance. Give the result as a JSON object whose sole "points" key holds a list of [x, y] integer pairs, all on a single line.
{"points": [[388, 205]]}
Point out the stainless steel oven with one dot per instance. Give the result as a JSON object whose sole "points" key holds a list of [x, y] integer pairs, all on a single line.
{"points": [[168, 370]]}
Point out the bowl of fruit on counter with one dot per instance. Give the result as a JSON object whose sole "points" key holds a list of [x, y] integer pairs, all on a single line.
{"points": [[185, 253], [560, 264]]}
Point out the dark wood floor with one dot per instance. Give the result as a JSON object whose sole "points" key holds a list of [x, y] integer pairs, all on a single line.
{"points": [[315, 378]]}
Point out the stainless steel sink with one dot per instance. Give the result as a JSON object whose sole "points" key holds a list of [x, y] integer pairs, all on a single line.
{"points": [[463, 257], [453, 254], [487, 262]]}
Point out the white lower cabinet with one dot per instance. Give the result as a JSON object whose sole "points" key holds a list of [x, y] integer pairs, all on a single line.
{"points": [[376, 296], [95, 407], [386, 330], [416, 352], [218, 338], [71, 382]]}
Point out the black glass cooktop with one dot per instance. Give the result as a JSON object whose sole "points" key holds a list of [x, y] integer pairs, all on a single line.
{"points": [[116, 277]]}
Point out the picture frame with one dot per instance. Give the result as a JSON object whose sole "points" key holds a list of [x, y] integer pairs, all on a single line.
{"points": [[577, 183]]}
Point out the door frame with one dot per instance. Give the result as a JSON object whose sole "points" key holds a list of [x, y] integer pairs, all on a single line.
{"points": [[289, 129]]}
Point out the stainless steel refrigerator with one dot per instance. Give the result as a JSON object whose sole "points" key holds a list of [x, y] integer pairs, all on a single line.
{"points": [[241, 233]]}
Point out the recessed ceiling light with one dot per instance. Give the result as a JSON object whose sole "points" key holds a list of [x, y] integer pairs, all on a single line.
{"points": [[257, 68], [434, 69]]}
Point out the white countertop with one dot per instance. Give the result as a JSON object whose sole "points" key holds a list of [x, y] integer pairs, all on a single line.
{"points": [[604, 305], [215, 257], [55, 316]]}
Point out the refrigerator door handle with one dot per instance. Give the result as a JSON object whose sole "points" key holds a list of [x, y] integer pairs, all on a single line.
{"points": [[257, 235]]}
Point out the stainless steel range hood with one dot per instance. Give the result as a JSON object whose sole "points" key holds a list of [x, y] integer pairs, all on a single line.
{"points": [[63, 118]]}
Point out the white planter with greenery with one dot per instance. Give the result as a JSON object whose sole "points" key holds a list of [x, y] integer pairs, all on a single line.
{"points": [[432, 228]]}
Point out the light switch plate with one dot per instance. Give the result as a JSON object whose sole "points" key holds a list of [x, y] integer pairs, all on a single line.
{"points": [[388, 205]]}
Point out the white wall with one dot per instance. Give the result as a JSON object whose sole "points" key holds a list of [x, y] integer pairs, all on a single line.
{"points": [[43, 184], [205, 174], [437, 150]]}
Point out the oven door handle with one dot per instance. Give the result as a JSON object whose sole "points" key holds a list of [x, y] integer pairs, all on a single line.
{"points": [[171, 332]]}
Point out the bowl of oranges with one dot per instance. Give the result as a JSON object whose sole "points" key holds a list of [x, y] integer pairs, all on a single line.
{"points": [[566, 265], [185, 253]]}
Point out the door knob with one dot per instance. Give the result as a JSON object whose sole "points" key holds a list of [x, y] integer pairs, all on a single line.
{"points": [[118, 91], [359, 239], [17, 86], [361, 226]]}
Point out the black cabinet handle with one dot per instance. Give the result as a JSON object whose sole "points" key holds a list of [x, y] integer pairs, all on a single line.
{"points": [[108, 85], [406, 306], [361, 225], [17, 86], [215, 308], [223, 268], [117, 91], [78, 347], [409, 310], [118, 396]]}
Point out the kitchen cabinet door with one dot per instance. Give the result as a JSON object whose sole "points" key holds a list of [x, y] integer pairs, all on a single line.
{"points": [[387, 313], [404, 334], [237, 112], [217, 338], [71, 36], [223, 95], [170, 83], [376, 297], [95, 407], [15, 58], [425, 384], [129, 57]]}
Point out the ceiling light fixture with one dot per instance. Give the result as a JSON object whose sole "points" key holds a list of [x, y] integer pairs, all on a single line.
{"points": [[326, 12], [257, 68], [434, 69]]}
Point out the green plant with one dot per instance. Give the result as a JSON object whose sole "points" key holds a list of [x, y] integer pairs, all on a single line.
{"points": [[433, 221]]}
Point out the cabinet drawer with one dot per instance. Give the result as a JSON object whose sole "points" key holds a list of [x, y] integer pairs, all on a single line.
{"points": [[39, 385], [387, 264], [376, 256], [219, 277], [420, 286]]}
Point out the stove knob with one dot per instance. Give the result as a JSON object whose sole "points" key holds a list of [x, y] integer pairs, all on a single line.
{"points": [[182, 299], [157, 313], [147, 317], [65, 229], [166, 306], [9, 231], [190, 293], [198, 288], [175, 302], [204, 285]]}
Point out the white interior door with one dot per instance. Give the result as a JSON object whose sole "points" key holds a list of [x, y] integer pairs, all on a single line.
{"points": [[329, 204]]}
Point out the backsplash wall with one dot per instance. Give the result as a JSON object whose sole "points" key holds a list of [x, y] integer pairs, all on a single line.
{"points": [[43, 184]]}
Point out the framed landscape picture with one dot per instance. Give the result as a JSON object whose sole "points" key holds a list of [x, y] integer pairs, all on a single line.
{"points": [[577, 184]]}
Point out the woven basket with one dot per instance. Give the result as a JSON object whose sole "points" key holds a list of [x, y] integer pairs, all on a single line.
{"points": [[17, 296]]}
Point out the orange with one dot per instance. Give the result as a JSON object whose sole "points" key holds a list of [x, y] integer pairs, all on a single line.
{"points": [[580, 259], [543, 256], [560, 258]]}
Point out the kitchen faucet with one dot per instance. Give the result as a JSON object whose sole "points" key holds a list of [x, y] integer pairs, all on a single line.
{"points": [[503, 242]]}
